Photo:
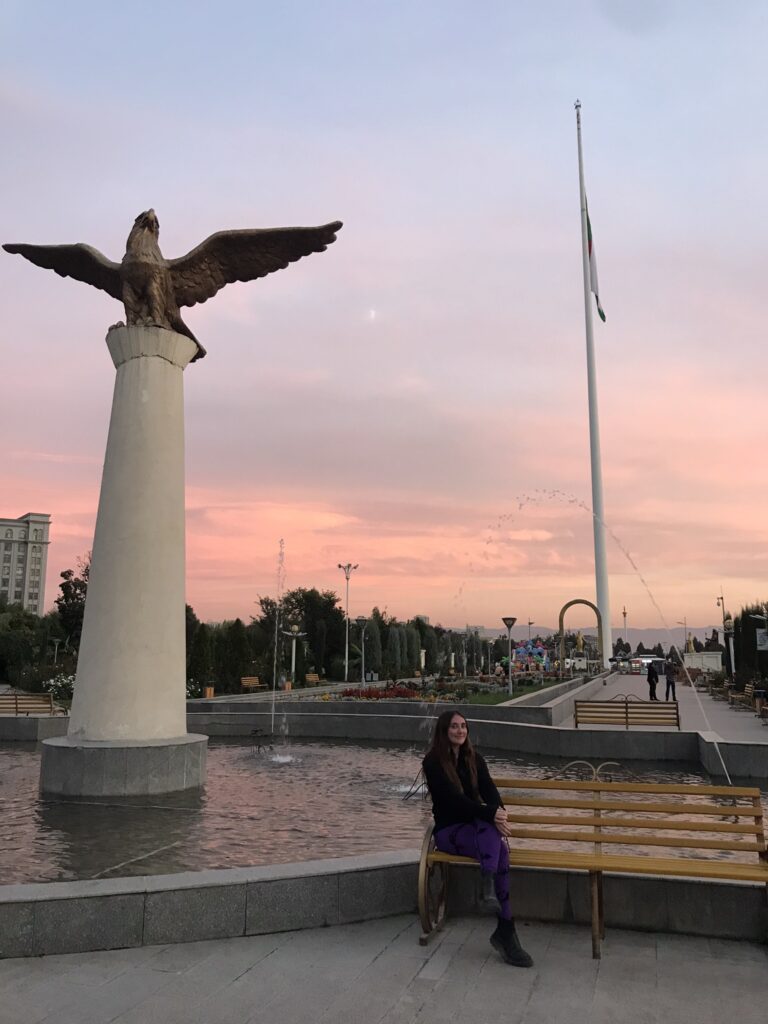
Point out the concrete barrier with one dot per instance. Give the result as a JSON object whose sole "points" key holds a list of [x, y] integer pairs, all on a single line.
{"points": [[32, 728], [73, 917], [495, 727]]}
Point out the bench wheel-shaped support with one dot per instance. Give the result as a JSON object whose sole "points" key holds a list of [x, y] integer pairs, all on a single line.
{"points": [[433, 877]]}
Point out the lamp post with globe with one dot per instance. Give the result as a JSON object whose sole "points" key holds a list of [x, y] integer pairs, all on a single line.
{"points": [[295, 635]]}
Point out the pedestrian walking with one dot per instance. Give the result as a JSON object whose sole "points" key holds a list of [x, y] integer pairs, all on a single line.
{"points": [[653, 678], [671, 675]]}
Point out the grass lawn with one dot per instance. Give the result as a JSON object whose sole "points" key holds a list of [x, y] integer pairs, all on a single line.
{"points": [[500, 696]]}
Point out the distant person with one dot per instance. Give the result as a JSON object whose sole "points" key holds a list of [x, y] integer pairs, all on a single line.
{"points": [[653, 679], [470, 819], [671, 675]]}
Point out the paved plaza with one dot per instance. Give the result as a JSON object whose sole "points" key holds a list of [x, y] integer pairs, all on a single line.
{"points": [[377, 973], [698, 711]]}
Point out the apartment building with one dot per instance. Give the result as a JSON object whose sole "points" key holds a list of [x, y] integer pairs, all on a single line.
{"points": [[23, 560]]}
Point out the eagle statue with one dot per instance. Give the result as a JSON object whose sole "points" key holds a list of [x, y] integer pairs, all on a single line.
{"points": [[153, 289]]}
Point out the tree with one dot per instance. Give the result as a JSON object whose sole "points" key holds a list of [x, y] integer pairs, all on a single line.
{"points": [[413, 647], [429, 641], [23, 646], [234, 656], [200, 658], [373, 643], [192, 624], [392, 654], [749, 661], [316, 613], [71, 601], [621, 648]]}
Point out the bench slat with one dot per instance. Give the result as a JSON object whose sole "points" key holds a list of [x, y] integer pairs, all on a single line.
{"points": [[508, 782], [633, 865], [679, 866], [632, 839], [653, 823], [626, 805]]}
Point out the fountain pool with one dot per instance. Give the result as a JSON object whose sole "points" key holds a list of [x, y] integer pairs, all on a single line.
{"points": [[302, 800]]}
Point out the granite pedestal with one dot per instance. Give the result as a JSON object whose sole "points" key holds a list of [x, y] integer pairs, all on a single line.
{"points": [[82, 768]]}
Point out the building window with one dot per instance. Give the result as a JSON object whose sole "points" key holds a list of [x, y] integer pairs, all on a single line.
{"points": [[9, 534], [36, 535]]}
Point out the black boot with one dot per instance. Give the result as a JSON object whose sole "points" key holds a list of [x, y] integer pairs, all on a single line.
{"points": [[506, 942]]}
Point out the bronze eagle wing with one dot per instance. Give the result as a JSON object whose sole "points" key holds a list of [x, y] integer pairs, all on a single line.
{"points": [[244, 255], [80, 261]]}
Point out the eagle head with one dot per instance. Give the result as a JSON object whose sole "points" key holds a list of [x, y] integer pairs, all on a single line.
{"points": [[148, 221]]}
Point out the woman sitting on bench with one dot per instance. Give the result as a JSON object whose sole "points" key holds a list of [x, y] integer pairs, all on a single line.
{"points": [[470, 820]]}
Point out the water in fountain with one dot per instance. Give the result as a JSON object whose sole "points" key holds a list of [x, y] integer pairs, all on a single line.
{"points": [[284, 756], [237, 820], [278, 608]]}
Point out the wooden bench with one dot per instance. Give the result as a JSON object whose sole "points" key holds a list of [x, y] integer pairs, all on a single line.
{"points": [[721, 692], [624, 712], [29, 704], [248, 683], [312, 679], [742, 700], [692, 831]]}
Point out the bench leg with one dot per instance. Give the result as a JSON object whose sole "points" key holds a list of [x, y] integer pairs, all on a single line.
{"points": [[594, 894], [433, 881], [600, 904]]}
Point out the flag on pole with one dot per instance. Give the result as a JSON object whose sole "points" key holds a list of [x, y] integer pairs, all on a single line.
{"points": [[593, 270]]}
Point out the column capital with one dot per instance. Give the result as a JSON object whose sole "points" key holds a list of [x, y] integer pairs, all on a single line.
{"points": [[126, 343]]}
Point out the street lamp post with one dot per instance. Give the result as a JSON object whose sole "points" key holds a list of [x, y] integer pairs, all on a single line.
{"points": [[295, 635], [464, 653], [624, 613], [362, 623], [509, 621], [490, 657], [347, 569], [727, 632], [684, 624], [530, 623]]}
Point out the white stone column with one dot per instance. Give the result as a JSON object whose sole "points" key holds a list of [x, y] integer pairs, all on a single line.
{"points": [[130, 689]]}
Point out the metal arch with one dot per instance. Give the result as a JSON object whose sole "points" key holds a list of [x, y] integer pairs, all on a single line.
{"points": [[596, 610]]}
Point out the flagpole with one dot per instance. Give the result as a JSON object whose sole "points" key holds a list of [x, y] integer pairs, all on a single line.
{"points": [[598, 517]]}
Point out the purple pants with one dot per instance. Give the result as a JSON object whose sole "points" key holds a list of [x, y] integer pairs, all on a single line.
{"points": [[485, 843]]}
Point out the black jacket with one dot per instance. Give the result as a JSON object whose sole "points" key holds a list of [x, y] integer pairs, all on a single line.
{"points": [[451, 807]]}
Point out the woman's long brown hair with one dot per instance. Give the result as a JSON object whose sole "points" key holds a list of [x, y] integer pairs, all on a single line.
{"points": [[442, 750]]}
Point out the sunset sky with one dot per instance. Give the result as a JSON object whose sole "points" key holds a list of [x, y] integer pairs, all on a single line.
{"points": [[414, 399]]}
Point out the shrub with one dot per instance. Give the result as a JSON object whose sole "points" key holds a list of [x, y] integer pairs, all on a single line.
{"points": [[60, 687]]}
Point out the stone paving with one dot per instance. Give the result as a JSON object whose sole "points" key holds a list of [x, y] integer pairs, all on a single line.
{"points": [[727, 723], [377, 973]]}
